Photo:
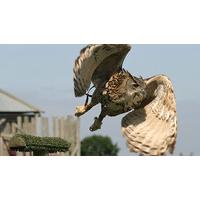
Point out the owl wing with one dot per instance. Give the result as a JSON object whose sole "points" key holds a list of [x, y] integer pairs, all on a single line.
{"points": [[152, 129], [97, 63]]}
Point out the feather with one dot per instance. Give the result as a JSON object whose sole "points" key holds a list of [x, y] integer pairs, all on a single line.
{"points": [[152, 129], [97, 63]]}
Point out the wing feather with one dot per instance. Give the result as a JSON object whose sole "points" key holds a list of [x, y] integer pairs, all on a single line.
{"points": [[97, 63], [152, 129]]}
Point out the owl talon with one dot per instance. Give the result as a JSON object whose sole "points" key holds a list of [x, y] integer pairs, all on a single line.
{"points": [[96, 125], [80, 110]]}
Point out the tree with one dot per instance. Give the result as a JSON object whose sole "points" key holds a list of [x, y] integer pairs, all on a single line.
{"points": [[98, 145]]}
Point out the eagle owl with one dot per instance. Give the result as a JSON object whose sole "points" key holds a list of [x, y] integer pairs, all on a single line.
{"points": [[150, 126]]}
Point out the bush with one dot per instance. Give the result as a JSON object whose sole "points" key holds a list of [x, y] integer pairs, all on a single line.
{"points": [[98, 145], [25, 143]]}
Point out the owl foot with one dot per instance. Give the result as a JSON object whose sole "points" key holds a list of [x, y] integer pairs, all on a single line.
{"points": [[80, 110], [96, 125]]}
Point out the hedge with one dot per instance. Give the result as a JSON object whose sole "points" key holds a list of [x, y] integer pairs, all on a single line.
{"points": [[27, 143]]}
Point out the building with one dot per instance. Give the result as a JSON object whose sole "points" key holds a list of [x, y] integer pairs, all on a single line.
{"points": [[12, 110], [15, 114], [18, 116]]}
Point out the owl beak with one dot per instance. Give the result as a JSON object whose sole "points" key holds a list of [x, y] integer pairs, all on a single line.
{"points": [[144, 92]]}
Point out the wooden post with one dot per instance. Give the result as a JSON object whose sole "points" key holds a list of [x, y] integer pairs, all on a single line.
{"points": [[62, 128], [42, 126], [2, 127], [33, 125], [38, 126], [66, 132], [19, 126], [45, 127], [7, 128], [59, 128], [19, 122], [54, 126], [1, 146], [25, 125], [13, 127], [2, 120]]}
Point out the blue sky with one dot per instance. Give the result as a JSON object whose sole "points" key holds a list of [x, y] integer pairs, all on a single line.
{"points": [[42, 75]]}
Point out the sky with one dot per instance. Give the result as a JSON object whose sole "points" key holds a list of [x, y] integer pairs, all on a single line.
{"points": [[42, 76]]}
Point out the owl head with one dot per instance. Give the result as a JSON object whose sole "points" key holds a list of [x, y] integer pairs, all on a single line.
{"points": [[136, 91]]}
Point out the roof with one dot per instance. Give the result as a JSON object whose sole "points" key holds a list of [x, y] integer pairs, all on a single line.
{"points": [[10, 103]]}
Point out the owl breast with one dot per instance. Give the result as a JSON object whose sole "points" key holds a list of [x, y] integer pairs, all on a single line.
{"points": [[119, 94]]}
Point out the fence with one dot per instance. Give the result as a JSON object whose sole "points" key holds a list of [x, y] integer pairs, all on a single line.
{"points": [[67, 128]]}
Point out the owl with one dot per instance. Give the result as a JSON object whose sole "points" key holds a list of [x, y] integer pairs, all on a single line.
{"points": [[150, 123]]}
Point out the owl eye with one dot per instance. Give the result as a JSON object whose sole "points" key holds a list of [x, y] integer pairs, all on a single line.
{"points": [[135, 85]]}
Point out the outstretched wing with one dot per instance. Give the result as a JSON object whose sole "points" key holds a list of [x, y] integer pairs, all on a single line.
{"points": [[97, 63], [151, 130]]}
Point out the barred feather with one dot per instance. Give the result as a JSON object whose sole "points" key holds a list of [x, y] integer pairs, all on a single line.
{"points": [[97, 63], [152, 129]]}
